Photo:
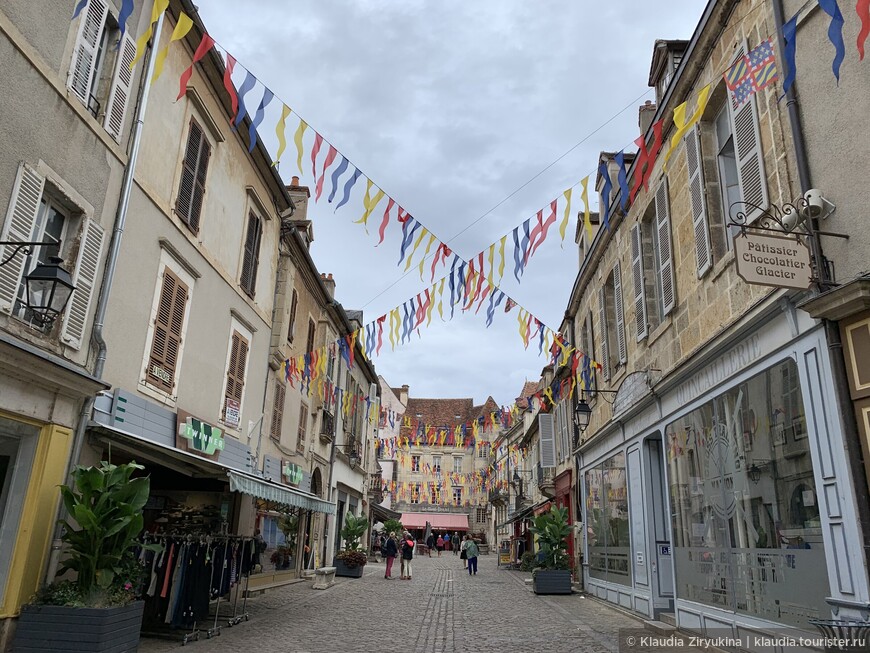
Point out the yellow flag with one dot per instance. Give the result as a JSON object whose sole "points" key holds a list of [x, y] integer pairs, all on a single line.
{"points": [[395, 323], [563, 227], [501, 244], [491, 259], [680, 120], [182, 27], [584, 196], [298, 140], [142, 42], [369, 203], [521, 320], [440, 299], [423, 232], [279, 131], [362, 341], [425, 254], [434, 290]]}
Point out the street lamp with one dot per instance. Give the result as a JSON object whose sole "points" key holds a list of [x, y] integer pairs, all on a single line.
{"points": [[48, 286], [353, 456], [582, 413]]}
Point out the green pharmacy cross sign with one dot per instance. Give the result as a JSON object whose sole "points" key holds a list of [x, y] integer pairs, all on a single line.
{"points": [[204, 438], [292, 473]]}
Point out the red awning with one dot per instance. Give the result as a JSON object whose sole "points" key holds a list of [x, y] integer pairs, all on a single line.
{"points": [[448, 521]]}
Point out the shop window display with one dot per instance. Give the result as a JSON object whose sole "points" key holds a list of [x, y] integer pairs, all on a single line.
{"points": [[607, 533], [745, 516]]}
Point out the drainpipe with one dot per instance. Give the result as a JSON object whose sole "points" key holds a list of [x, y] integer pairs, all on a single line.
{"points": [[832, 330], [106, 288]]}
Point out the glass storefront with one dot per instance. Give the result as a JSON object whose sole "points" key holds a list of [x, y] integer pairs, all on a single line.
{"points": [[607, 533], [745, 517]]}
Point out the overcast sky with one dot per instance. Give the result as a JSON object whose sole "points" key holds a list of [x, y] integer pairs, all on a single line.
{"points": [[451, 107]]}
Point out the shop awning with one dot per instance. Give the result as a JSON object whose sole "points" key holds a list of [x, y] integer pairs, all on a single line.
{"points": [[449, 521], [263, 489], [383, 513]]}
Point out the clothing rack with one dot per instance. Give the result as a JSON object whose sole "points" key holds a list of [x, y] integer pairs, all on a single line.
{"points": [[233, 567]]}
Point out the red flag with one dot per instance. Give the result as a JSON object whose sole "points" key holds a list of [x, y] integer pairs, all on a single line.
{"points": [[380, 333], [542, 236], [862, 7], [315, 150], [386, 219], [228, 84], [205, 45], [654, 152], [509, 304], [330, 157], [536, 231]]}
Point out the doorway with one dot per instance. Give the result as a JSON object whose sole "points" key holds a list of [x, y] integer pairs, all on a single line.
{"points": [[658, 535]]}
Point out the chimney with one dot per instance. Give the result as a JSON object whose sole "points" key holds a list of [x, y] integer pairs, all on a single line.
{"points": [[300, 195], [645, 114], [403, 395], [329, 282]]}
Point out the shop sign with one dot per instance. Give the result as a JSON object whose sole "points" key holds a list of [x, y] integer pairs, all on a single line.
{"points": [[634, 388], [199, 437], [775, 261], [291, 473], [232, 413]]}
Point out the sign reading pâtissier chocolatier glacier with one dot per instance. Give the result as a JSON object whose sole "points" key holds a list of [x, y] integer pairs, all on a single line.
{"points": [[778, 261]]}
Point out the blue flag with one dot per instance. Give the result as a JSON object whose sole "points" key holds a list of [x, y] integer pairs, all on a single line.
{"points": [[789, 35], [335, 175], [258, 118], [835, 33], [246, 86], [623, 180], [350, 182], [605, 195]]}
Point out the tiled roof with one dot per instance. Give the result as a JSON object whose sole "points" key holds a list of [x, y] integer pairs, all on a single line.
{"points": [[439, 412], [530, 388]]}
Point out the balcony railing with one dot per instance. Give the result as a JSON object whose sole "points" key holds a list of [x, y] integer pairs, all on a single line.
{"points": [[498, 497], [327, 427], [546, 482]]}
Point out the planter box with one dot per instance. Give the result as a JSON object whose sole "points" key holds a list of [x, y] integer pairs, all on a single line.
{"points": [[552, 581], [342, 569], [54, 628]]}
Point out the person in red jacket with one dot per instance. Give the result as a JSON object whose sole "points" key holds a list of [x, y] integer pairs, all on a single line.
{"points": [[407, 547]]}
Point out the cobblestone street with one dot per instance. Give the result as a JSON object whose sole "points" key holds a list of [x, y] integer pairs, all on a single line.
{"points": [[441, 609]]}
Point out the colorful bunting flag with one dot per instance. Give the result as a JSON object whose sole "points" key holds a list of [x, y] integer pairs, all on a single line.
{"points": [[385, 220], [249, 82], [336, 174], [182, 27], [124, 14], [604, 209], [315, 150], [258, 118], [142, 42], [862, 7], [683, 125], [81, 5], [297, 139], [279, 132], [228, 84], [563, 226], [357, 173], [584, 197], [622, 180], [330, 157], [206, 44], [751, 73], [835, 33]]}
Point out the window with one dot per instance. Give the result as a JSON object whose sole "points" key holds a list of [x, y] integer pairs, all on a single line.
{"points": [[457, 496], [191, 190], [291, 329], [309, 343], [726, 165], [664, 267], [235, 385], [457, 465], [436, 464], [614, 354], [415, 463], [106, 94], [168, 326], [483, 449], [434, 495], [480, 515], [649, 272], [587, 345], [278, 410], [415, 493], [608, 521], [251, 257], [303, 427]]}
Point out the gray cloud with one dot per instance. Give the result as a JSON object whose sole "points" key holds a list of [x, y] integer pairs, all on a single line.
{"points": [[450, 107]]}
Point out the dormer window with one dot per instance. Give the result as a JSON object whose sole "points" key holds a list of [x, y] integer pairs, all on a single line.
{"points": [[667, 56]]}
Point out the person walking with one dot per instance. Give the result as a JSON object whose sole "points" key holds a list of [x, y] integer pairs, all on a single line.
{"points": [[439, 544], [470, 550], [390, 551], [430, 544], [408, 545], [457, 543], [447, 542]]}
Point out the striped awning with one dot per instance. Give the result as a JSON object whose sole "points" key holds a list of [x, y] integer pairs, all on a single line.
{"points": [[263, 489]]}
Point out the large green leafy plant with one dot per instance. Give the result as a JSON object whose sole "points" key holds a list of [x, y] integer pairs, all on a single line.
{"points": [[552, 528], [106, 504], [394, 526], [353, 530]]}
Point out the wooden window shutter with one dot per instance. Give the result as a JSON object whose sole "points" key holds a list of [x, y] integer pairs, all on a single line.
{"points": [[292, 326], [590, 352], [303, 427], [236, 369], [548, 440], [191, 190], [119, 95], [84, 278], [640, 317], [747, 145], [19, 223], [278, 411], [619, 309], [168, 326], [698, 201], [251, 258], [81, 73], [309, 344], [665, 262], [605, 346]]}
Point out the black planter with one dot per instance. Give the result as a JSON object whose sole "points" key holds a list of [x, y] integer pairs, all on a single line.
{"points": [[552, 581], [342, 569], [54, 628]]}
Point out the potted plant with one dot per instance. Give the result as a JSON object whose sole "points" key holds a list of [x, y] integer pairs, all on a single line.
{"points": [[351, 560], [553, 575], [99, 609]]}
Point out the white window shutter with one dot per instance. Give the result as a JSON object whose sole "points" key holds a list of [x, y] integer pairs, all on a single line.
{"points": [[19, 223], [548, 440], [84, 278], [81, 72], [747, 145], [619, 309], [640, 319], [698, 200], [665, 262], [605, 346], [122, 83]]}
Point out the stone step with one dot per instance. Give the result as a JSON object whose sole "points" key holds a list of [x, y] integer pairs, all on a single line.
{"points": [[660, 627], [669, 618]]}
